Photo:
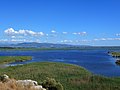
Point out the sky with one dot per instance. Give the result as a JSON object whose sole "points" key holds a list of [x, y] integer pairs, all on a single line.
{"points": [[78, 22]]}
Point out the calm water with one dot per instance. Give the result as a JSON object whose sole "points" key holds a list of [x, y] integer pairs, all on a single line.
{"points": [[96, 61]]}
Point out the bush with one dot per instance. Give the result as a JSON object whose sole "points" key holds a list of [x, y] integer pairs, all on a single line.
{"points": [[51, 84]]}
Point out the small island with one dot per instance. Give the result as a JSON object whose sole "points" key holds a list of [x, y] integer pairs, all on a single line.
{"points": [[117, 56]]}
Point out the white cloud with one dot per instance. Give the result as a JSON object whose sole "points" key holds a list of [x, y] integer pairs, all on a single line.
{"points": [[103, 39], [13, 36], [117, 38], [65, 32], [75, 33], [118, 34], [66, 41], [75, 41], [106, 39], [22, 32], [20, 36], [52, 34], [11, 31], [80, 33], [37, 40], [85, 40], [17, 37], [53, 31], [96, 39], [3, 40], [41, 33], [11, 40], [21, 40], [14, 40], [47, 34]]}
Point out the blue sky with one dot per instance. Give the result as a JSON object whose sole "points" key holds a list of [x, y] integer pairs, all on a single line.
{"points": [[81, 22]]}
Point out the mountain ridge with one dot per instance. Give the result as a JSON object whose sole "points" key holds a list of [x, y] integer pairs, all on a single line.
{"points": [[41, 45]]}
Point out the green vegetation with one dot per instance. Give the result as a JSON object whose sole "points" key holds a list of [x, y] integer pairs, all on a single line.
{"points": [[9, 59], [115, 54], [52, 84], [72, 77]]}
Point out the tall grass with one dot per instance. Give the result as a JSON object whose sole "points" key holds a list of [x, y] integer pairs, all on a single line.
{"points": [[72, 77]]}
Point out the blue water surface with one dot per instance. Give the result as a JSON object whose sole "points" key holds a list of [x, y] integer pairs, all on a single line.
{"points": [[96, 61]]}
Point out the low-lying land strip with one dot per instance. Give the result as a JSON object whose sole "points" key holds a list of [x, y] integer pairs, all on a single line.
{"points": [[9, 48], [9, 59], [117, 56], [72, 77]]}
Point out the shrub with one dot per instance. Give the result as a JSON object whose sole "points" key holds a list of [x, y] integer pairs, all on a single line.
{"points": [[52, 84]]}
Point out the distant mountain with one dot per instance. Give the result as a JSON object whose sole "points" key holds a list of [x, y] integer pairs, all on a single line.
{"points": [[41, 45]]}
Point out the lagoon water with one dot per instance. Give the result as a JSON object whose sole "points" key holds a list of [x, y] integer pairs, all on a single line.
{"points": [[96, 61]]}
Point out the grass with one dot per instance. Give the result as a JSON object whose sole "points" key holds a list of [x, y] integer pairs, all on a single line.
{"points": [[72, 77], [9, 59]]}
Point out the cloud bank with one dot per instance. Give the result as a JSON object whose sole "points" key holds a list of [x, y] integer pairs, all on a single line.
{"points": [[11, 32], [54, 37]]}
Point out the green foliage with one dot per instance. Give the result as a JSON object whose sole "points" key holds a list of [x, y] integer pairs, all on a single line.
{"points": [[115, 54], [51, 84]]}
